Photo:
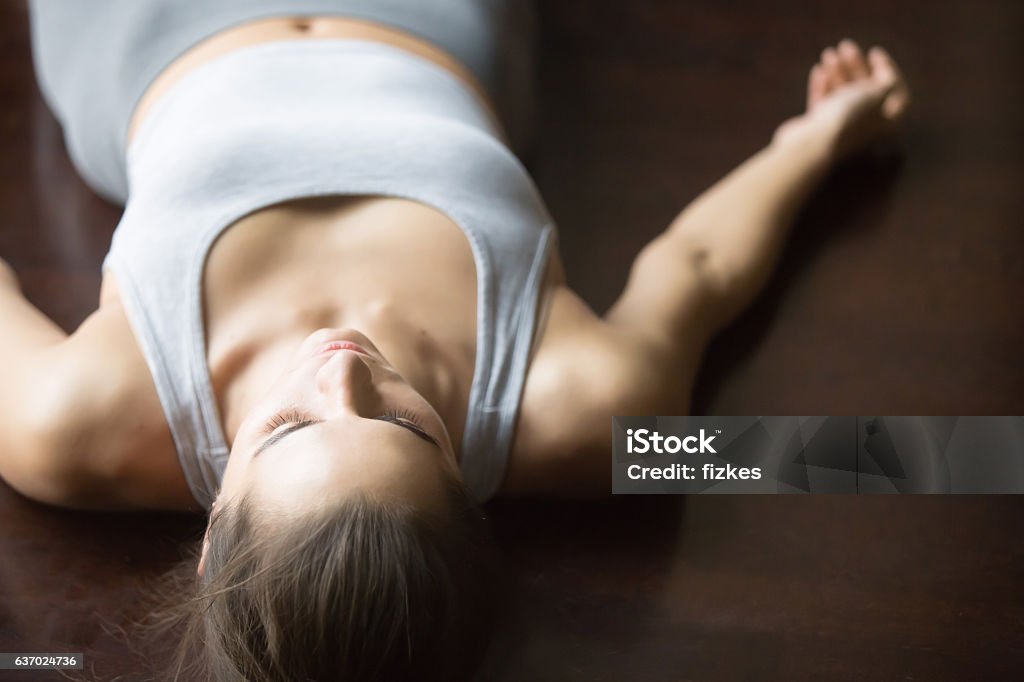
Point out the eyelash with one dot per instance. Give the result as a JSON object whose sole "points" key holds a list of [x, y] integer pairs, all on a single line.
{"points": [[293, 416], [407, 415], [289, 416]]}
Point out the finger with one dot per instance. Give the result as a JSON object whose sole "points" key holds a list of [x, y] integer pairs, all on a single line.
{"points": [[833, 67], [817, 85], [852, 59], [884, 70]]}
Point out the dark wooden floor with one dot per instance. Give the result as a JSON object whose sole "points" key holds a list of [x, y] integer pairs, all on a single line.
{"points": [[901, 294]]}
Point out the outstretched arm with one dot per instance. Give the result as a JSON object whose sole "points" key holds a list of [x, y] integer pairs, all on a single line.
{"points": [[687, 284], [719, 252]]}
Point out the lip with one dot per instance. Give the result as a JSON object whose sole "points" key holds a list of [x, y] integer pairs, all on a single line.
{"points": [[343, 345]]}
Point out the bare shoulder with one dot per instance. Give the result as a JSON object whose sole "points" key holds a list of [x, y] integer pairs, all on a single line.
{"points": [[584, 371], [103, 419]]}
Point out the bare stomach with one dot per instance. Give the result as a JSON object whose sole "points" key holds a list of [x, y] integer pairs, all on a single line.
{"points": [[298, 28]]}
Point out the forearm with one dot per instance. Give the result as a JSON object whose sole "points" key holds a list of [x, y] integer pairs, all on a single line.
{"points": [[719, 252], [738, 227]]}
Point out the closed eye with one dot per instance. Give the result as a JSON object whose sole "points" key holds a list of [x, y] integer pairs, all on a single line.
{"points": [[411, 427], [278, 436]]}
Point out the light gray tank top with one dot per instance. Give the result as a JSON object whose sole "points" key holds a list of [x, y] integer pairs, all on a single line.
{"points": [[95, 58], [279, 121]]}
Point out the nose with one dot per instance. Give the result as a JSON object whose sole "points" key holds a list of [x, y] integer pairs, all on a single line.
{"points": [[346, 380]]}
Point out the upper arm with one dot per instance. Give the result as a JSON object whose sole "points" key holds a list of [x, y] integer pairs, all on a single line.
{"points": [[672, 293], [30, 349], [585, 371], [39, 426], [84, 427]]}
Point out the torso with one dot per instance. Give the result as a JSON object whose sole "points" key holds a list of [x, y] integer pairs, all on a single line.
{"points": [[352, 238]]}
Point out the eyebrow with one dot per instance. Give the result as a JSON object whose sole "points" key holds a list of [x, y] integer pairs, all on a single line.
{"points": [[284, 433]]}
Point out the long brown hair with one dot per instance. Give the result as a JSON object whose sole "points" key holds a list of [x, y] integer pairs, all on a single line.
{"points": [[364, 590]]}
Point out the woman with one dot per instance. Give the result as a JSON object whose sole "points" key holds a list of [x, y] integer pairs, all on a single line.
{"points": [[334, 315]]}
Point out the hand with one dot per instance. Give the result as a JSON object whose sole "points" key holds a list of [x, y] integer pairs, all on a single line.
{"points": [[852, 100]]}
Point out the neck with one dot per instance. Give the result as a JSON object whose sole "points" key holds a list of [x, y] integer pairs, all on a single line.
{"points": [[244, 373]]}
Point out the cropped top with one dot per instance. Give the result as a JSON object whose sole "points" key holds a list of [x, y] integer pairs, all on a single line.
{"points": [[284, 120], [94, 59]]}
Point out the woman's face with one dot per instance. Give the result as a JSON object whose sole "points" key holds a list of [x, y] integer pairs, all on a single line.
{"points": [[340, 419]]}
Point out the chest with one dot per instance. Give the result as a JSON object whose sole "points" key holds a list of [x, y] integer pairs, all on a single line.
{"points": [[309, 264]]}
